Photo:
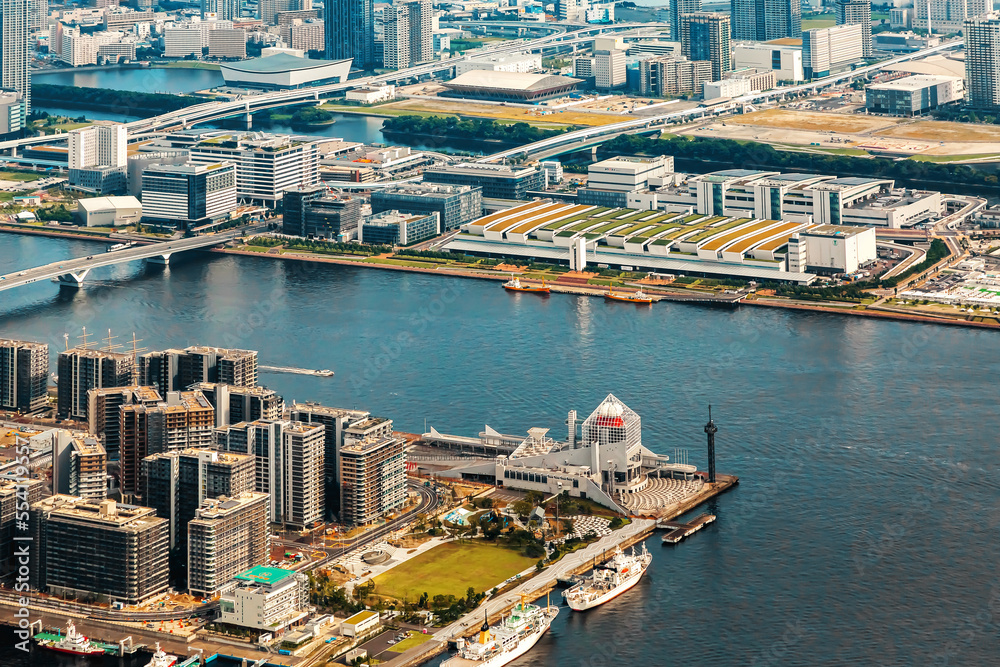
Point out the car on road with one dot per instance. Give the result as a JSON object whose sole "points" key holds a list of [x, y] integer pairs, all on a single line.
{"points": [[90, 257]]}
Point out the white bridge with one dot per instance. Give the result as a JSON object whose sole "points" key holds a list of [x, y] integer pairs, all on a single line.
{"points": [[72, 272]]}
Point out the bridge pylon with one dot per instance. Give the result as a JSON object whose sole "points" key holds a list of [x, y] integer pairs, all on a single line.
{"points": [[163, 259], [73, 279]]}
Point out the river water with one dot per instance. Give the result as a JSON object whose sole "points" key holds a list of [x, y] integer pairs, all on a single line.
{"points": [[864, 528]]}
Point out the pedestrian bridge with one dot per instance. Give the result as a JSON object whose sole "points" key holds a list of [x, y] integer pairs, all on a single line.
{"points": [[72, 272]]}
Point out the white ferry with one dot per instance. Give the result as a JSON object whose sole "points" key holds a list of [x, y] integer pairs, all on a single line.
{"points": [[72, 643], [513, 637], [161, 658], [609, 581]]}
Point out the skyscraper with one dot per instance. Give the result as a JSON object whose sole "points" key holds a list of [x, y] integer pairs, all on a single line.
{"points": [[705, 36], [15, 50], [982, 61], [678, 7], [398, 54], [24, 375], [81, 370], [857, 12], [421, 30], [350, 31], [762, 20]]}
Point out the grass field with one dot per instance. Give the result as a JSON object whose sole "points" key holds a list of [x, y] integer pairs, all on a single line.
{"points": [[811, 120], [449, 569], [939, 130], [818, 21], [22, 176], [953, 158], [415, 639]]}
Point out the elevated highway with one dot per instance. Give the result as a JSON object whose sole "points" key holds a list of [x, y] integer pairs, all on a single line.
{"points": [[593, 135], [209, 111], [73, 272]]}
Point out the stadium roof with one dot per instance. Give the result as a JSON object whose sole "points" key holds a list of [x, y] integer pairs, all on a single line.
{"points": [[525, 82], [279, 62]]}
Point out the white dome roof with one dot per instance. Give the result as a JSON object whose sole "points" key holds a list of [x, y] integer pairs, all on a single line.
{"points": [[610, 409]]}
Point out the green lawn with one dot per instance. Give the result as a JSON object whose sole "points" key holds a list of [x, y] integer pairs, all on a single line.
{"points": [[415, 639], [449, 569], [952, 158], [822, 21], [20, 176]]}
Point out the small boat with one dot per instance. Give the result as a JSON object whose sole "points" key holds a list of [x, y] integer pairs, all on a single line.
{"points": [[72, 643], [514, 285], [630, 297], [161, 658]]}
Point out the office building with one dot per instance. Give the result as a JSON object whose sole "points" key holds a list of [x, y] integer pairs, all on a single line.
{"points": [[15, 51], [948, 16], [304, 34], [831, 249], [94, 550], [740, 82], [394, 228], [900, 17], [270, 599], [705, 36], [350, 31], [334, 422], [982, 62], [98, 157], [496, 181], [608, 69], [456, 204], [784, 61], [271, 9], [79, 466], [177, 483], [372, 472], [289, 466], [228, 10], [913, 95], [668, 75], [294, 205], [30, 492], [421, 20], [764, 20], [627, 174], [228, 535], [827, 51], [103, 409], [677, 9], [176, 370], [12, 117], [189, 195], [102, 180], [185, 420], [81, 370], [521, 63], [266, 164], [139, 162], [313, 212], [240, 404], [24, 375], [903, 42], [857, 12], [398, 50], [227, 44]]}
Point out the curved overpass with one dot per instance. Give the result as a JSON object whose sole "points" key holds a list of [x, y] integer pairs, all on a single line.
{"points": [[650, 123]]}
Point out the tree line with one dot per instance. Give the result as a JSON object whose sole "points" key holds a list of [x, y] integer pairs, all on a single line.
{"points": [[752, 155], [122, 101], [480, 129]]}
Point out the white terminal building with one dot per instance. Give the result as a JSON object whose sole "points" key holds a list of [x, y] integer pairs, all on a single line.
{"points": [[831, 249], [784, 61], [606, 462], [521, 63]]}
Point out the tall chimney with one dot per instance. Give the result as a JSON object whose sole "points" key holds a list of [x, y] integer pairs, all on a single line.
{"points": [[711, 429]]}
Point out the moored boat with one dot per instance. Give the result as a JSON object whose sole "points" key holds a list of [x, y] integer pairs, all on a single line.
{"points": [[630, 297], [609, 581], [161, 658], [72, 643], [514, 636], [514, 285]]}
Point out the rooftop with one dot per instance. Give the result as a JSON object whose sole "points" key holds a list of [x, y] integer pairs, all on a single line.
{"points": [[104, 203], [361, 617], [836, 230], [216, 508], [279, 62], [268, 576], [525, 82], [916, 82]]}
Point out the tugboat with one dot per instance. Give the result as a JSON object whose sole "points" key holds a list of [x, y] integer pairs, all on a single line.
{"points": [[639, 296], [161, 659], [513, 637], [73, 643], [514, 285], [609, 581]]}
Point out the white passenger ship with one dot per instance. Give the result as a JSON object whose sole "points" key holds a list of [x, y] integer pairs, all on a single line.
{"points": [[513, 637], [609, 581]]}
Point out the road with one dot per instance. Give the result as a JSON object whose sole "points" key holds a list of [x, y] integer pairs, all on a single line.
{"points": [[74, 271], [582, 137]]}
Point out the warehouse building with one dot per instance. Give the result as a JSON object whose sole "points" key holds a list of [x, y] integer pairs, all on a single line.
{"points": [[108, 211], [914, 95], [831, 249]]}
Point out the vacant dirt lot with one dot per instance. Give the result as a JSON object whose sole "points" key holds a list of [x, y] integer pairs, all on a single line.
{"points": [[812, 120], [453, 107], [936, 130]]}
